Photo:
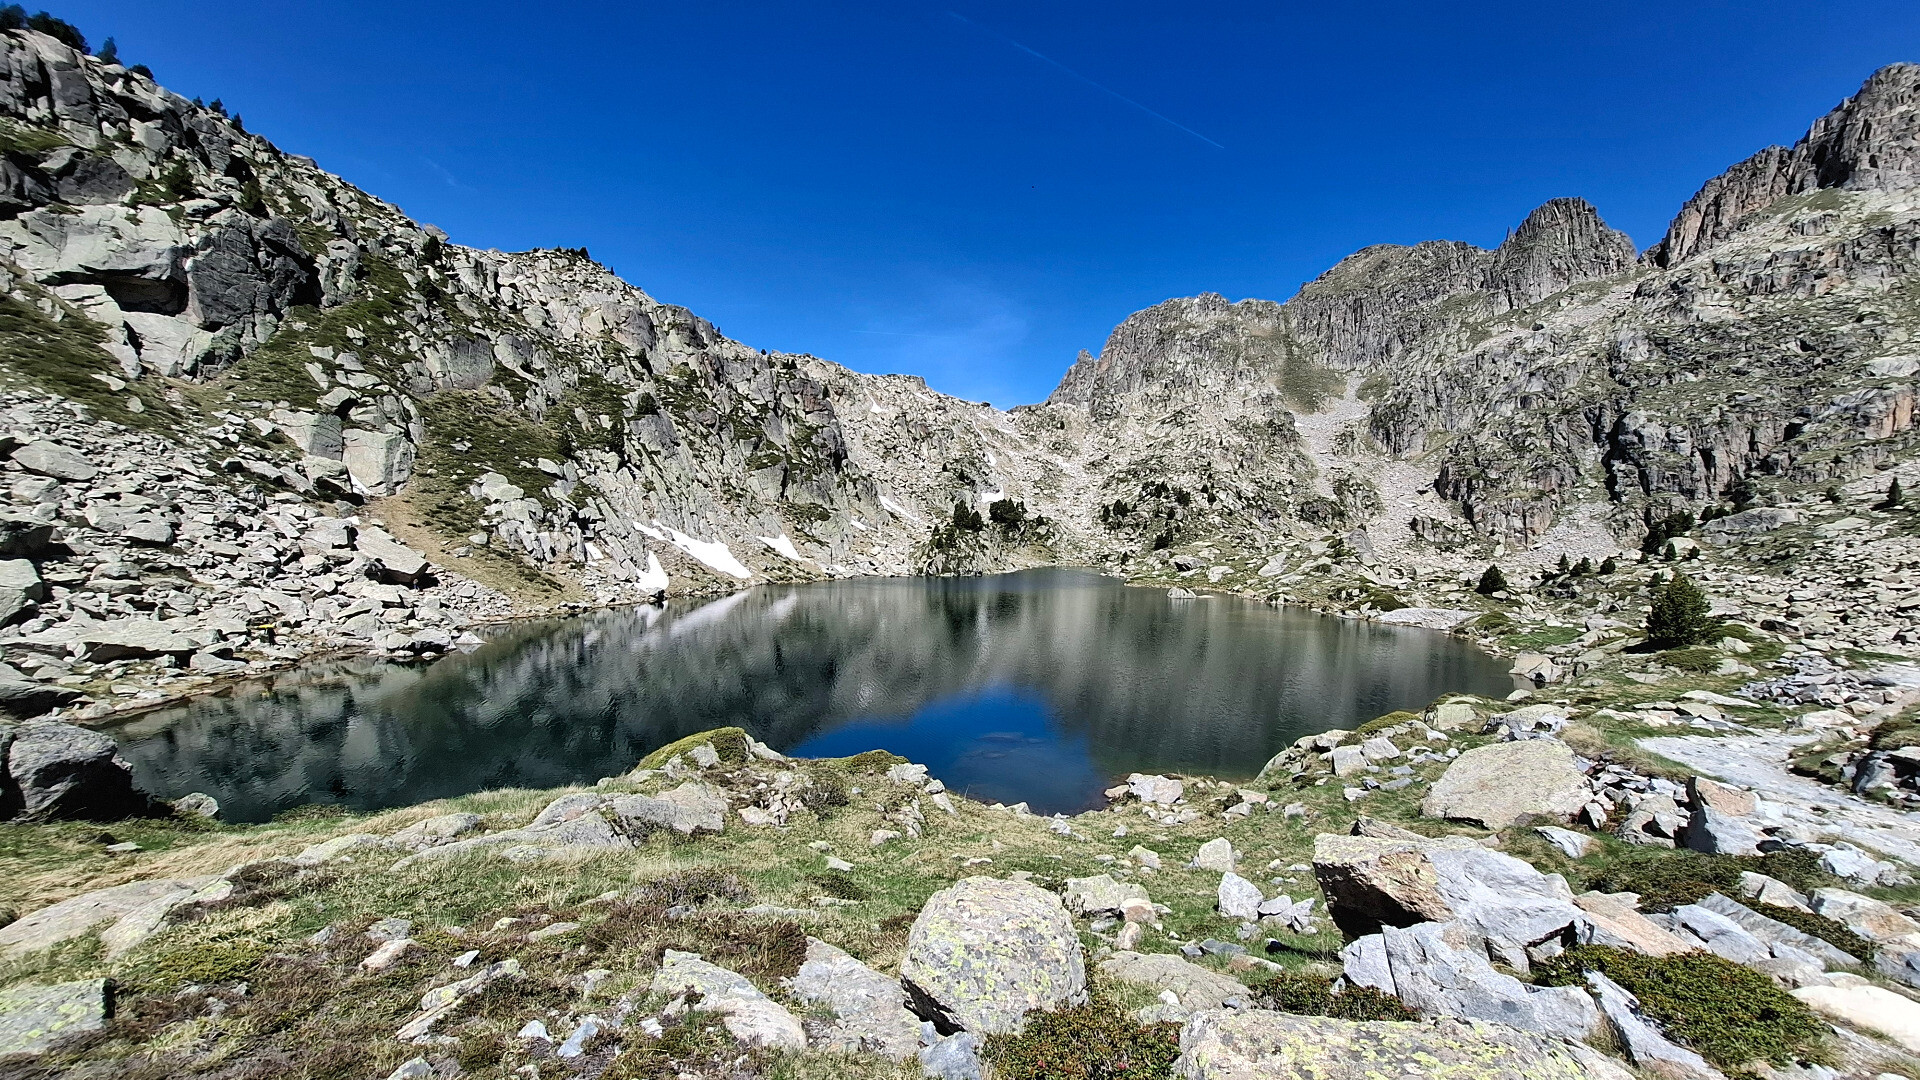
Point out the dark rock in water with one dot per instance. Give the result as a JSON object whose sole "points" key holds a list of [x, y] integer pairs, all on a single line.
{"points": [[58, 771]]}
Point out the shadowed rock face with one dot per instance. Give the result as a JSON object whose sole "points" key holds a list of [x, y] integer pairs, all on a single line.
{"points": [[1101, 680]]}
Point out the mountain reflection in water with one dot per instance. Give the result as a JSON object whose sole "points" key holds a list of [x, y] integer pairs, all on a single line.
{"points": [[1039, 686]]}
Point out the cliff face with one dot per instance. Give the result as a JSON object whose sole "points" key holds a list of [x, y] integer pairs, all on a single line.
{"points": [[1870, 142], [532, 406]]}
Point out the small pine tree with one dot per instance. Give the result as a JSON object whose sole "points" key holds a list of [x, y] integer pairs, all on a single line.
{"points": [[252, 199], [142, 70], [177, 181], [58, 29], [1608, 565], [1679, 614], [109, 52], [1895, 497], [1584, 567], [1563, 567], [1491, 582], [13, 17]]}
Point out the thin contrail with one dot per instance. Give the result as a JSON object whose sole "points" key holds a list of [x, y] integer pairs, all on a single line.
{"points": [[1105, 90]]}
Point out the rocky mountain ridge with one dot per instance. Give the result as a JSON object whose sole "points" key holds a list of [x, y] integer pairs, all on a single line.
{"points": [[542, 432]]}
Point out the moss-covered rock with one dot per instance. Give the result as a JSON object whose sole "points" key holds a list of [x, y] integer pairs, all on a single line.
{"points": [[728, 742]]}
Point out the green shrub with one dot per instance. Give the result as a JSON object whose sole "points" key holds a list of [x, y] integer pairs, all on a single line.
{"points": [[1493, 622], [1095, 1041], [1679, 614], [967, 519], [729, 742], [1665, 880], [1008, 513], [201, 963], [1732, 1015], [1312, 995], [1492, 581]]}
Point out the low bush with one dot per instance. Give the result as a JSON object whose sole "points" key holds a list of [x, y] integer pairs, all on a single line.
{"points": [[1731, 1015], [1821, 927], [1095, 1041], [1312, 995], [1665, 880]]}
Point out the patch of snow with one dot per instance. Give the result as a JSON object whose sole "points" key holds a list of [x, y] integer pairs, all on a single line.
{"points": [[782, 544], [713, 553], [655, 577], [990, 497], [899, 511]]}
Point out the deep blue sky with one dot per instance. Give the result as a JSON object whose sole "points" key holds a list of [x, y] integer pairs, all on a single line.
{"points": [[974, 191]]}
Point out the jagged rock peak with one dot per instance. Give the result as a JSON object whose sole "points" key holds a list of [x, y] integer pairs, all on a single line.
{"points": [[1871, 141], [1560, 244], [1154, 344]]}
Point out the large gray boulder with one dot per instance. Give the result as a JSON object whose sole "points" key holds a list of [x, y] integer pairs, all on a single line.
{"points": [[1371, 882], [1441, 969], [61, 772], [690, 808], [1258, 1044], [1497, 785], [33, 1019], [984, 953], [128, 913], [392, 560], [23, 699], [134, 639]]}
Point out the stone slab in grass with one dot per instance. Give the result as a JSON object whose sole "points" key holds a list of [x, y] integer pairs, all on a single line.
{"points": [[1497, 785]]}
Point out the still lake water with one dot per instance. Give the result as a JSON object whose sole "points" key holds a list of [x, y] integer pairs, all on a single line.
{"points": [[1039, 686]]}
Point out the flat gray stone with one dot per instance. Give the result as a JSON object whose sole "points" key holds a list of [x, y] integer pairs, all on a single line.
{"points": [[1496, 785], [1261, 1044], [49, 458], [871, 1008], [1195, 986]]}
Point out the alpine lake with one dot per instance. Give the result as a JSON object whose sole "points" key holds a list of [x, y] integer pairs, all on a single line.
{"points": [[1039, 687]]}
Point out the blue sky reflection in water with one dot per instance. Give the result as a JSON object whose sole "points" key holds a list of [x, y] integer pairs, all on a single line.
{"points": [[1038, 686], [1013, 749]]}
